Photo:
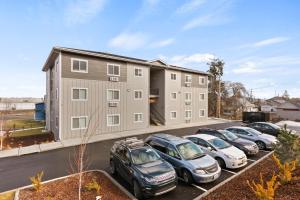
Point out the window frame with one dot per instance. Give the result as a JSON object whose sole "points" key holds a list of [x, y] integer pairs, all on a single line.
{"points": [[86, 117], [138, 68], [78, 88], [200, 96], [185, 117], [174, 111], [137, 91], [115, 65], [203, 113], [201, 78], [188, 75], [142, 117], [80, 60], [175, 96], [112, 115], [113, 100], [175, 76], [188, 100]]}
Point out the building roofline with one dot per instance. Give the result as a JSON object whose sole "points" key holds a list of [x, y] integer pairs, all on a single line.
{"points": [[56, 50]]}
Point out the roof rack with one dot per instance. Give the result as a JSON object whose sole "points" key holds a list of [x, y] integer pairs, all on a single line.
{"points": [[132, 142]]}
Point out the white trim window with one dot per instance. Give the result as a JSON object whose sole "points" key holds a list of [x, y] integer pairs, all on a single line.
{"points": [[113, 120], [138, 117], [79, 65], [173, 114], [201, 113], [173, 95], [78, 123], [188, 96], [138, 72], [188, 114], [188, 78], [173, 76], [202, 96], [113, 95], [201, 80], [138, 94], [113, 69], [79, 94]]}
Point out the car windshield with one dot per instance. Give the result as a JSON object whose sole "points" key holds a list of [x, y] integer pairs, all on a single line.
{"points": [[274, 126], [230, 136], [220, 144], [253, 131], [190, 151], [143, 156]]}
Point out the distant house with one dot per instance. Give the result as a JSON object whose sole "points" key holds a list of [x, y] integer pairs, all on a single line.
{"points": [[19, 103]]}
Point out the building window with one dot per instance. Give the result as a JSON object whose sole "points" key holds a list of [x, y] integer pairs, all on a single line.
{"points": [[188, 78], [79, 94], [202, 96], [138, 94], [138, 72], [173, 76], [79, 123], [138, 117], [113, 120], [202, 113], [201, 80], [113, 95], [188, 96], [113, 69], [79, 65], [174, 95], [188, 114], [173, 114]]}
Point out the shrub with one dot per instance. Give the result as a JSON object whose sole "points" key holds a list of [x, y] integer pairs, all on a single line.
{"points": [[288, 147], [264, 191], [94, 185], [37, 181], [285, 170]]}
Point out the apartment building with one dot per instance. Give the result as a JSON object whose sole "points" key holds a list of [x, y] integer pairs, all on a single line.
{"points": [[103, 93]]}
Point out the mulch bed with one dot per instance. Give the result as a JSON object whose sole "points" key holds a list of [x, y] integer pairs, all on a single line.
{"points": [[67, 189], [239, 189], [14, 142]]}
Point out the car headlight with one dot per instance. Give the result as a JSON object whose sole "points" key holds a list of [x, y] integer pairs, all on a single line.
{"points": [[150, 180], [248, 146], [199, 171]]}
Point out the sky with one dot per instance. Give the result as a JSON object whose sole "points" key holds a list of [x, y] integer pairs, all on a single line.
{"points": [[258, 40]]}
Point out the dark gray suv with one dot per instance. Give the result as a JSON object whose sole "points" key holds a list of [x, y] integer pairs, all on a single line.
{"points": [[189, 161], [142, 168]]}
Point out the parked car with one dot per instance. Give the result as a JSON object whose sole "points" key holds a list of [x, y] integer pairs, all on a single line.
{"points": [[265, 127], [263, 141], [247, 146], [189, 161], [227, 155], [142, 167]]}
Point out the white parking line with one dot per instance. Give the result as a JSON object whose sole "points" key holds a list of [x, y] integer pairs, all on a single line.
{"points": [[229, 171], [251, 160], [200, 188]]}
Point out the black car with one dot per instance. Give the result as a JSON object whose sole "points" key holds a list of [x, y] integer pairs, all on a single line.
{"points": [[265, 127], [249, 147], [140, 166]]}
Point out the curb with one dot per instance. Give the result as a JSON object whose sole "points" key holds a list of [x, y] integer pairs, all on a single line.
{"points": [[55, 179], [232, 177]]}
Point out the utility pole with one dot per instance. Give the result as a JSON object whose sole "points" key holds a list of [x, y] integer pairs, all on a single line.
{"points": [[219, 99]]}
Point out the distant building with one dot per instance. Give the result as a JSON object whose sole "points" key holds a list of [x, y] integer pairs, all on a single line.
{"points": [[19, 103]]}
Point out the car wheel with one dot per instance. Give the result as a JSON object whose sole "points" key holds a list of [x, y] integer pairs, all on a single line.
{"points": [[137, 190], [112, 167], [187, 177], [221, 162], [261, 145]]}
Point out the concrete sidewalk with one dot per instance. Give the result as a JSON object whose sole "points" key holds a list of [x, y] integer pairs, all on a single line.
{"points": [[74, 142]]}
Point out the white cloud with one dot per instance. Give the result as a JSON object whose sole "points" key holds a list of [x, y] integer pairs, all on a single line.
{"points": [[151, 3], [129, 41], [184, 60], [207, 20], [266, 42], [246, 68], [190, 6], [164, 43], [81, 11]]}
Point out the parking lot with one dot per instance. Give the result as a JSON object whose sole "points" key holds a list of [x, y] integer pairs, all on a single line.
{"points": [[187, 192]]}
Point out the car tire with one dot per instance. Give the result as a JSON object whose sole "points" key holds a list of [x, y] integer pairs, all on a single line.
{"points": [[261, 145], [112, 167], [137, 190], [187, 177], [221, 162]]}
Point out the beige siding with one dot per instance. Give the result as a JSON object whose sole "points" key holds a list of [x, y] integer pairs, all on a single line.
{"points": [[195, 80]]}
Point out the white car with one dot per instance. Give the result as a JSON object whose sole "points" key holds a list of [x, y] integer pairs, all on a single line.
{"points": [[227, 155]]}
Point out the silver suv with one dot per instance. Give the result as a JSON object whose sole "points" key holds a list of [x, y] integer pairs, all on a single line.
{"points": [[189, 161]]}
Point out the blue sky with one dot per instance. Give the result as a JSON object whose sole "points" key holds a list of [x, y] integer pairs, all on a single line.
{"points": [[258, 40]]}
